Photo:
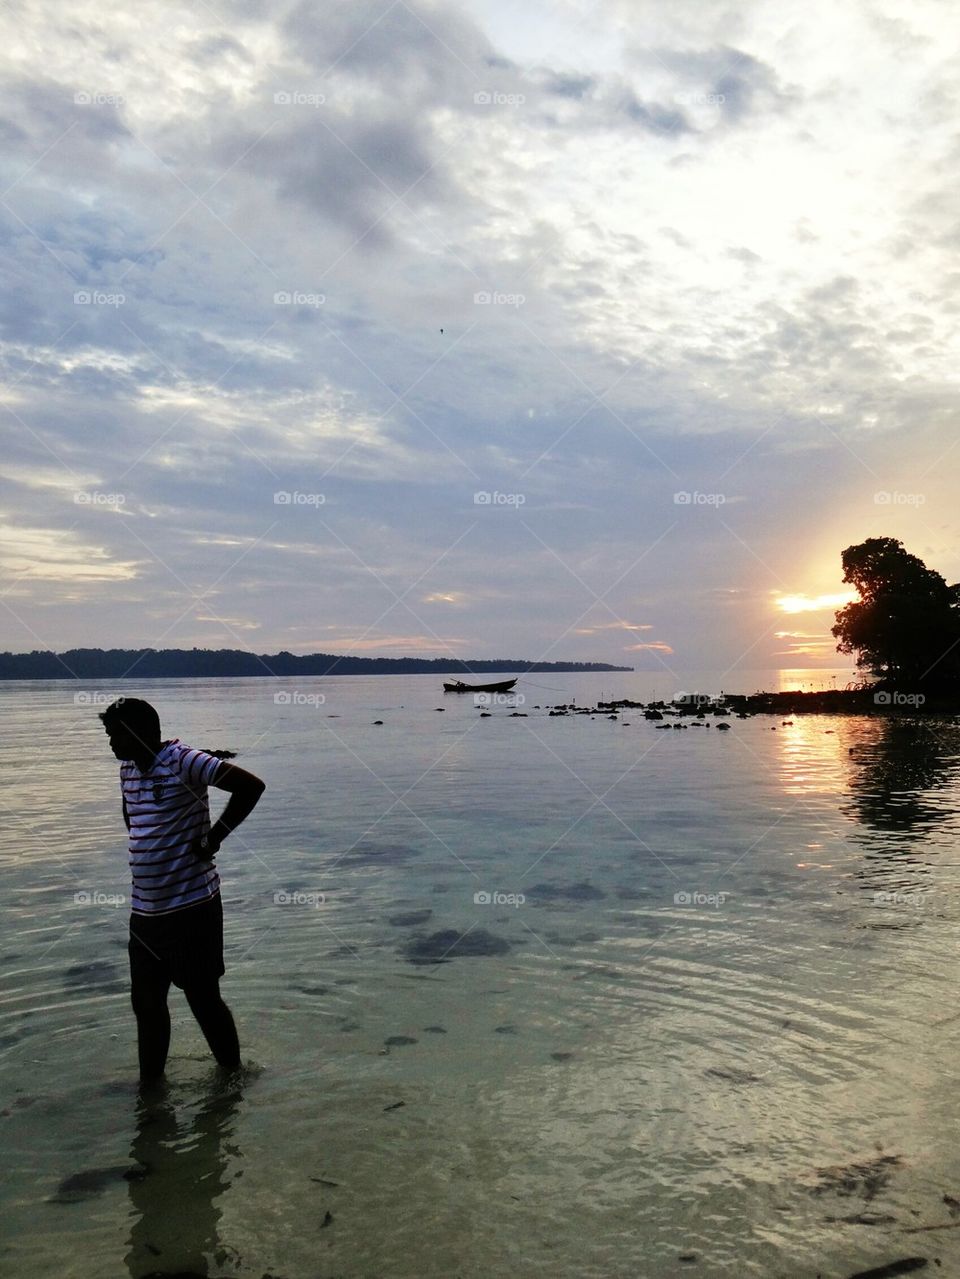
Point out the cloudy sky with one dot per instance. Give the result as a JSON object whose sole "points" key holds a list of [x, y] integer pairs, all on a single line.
{"points": [[567, 331]]}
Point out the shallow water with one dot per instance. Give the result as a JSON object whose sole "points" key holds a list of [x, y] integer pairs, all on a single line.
{"points": [[717, 1036]]}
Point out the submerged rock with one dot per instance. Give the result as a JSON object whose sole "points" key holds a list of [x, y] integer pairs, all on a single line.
{"points": [[863, 1219], [906, 1266], [866, 1179], [94, 1181], [175, 1274], [441, 947], [733, 1074]]}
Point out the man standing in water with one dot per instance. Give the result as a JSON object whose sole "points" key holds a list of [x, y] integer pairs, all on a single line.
{"points": [[176, 920]]}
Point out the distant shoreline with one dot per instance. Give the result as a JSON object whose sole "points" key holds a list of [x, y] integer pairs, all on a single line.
{"points": [[205, 663]]}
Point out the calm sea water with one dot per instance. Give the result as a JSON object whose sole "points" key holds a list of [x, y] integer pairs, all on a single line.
{"points": [[712, 1027]]}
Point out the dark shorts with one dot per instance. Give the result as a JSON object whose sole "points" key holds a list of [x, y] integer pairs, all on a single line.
{"points": [[184, 947]]}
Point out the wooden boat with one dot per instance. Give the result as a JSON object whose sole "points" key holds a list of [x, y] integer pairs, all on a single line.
{"points": [[457, 686]]}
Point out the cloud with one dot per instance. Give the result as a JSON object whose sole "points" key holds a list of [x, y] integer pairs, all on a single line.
{"points": [[615, 626], [420, 48], [49, 556], [566, 85], [653, 116], [218, 48], [737, 83], [389, 643], [352, 170]]}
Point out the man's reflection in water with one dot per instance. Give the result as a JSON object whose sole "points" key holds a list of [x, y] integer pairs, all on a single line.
{"points": [[175, 1213], [900, 779]]}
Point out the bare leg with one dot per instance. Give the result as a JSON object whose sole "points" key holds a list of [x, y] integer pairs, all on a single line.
{"points": [[215, 1020], [149, 999]]}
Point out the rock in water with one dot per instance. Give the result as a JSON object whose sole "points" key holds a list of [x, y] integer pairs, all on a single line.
{"points": [[191, 1274], [865, 1179], [441, 947], [865, 1219], [93, 1182], [732, 1073], [904, 1267]]}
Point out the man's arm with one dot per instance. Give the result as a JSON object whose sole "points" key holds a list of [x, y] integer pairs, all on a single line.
{"points": [[126, 815], [245, 790]]}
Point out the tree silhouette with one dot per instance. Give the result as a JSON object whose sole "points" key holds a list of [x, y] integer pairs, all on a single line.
{"points": [[905, 628]]}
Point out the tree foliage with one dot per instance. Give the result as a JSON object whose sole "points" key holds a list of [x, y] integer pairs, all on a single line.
{"points": [[905, 628]]}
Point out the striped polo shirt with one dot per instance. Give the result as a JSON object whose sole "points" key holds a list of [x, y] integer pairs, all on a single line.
{"points": [[167, 807]]}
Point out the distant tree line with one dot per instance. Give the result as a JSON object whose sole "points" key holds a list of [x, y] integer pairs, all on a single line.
{"points": [[905, 628], [212, 663]]}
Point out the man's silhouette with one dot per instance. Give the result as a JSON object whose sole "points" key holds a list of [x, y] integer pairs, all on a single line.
{"points": [[176, 920]]}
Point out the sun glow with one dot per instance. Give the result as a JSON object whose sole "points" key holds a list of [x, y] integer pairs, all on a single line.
{"points": [[814, 603]]}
